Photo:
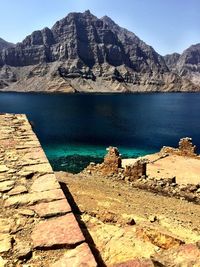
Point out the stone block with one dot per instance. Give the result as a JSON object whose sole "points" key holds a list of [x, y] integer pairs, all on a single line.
{"points": [[33, 198], [53, 208], [44, 183], [62, 231], [81, 256]]}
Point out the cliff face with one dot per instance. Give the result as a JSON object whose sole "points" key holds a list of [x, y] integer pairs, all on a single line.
{"points": [[187, 64], [171, 60], [84, 53]]}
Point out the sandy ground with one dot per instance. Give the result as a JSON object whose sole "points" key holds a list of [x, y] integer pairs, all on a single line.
{"points": [[109, 207], [186, 170]]}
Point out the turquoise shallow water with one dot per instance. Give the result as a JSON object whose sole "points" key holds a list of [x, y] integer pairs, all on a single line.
{"points": [[74, 158], [76, 129]]}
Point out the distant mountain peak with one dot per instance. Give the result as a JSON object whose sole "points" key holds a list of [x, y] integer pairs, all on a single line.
{"points": [[107, 19], [83, 52], [87, 12]]}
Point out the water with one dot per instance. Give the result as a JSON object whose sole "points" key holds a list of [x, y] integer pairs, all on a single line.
{"points": [[76, 129]]}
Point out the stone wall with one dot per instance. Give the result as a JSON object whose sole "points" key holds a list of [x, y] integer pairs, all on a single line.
{"points": [[37, 225], [112, 160], [136, 171], [185, 148]]}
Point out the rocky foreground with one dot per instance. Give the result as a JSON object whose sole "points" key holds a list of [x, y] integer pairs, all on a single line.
{"points": [[137, 217], [108, 215], [37, 225], [83, 53]]}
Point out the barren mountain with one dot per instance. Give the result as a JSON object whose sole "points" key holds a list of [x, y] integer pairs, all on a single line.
{"points": [[187, 64], [171, 60], [4, 44], [82, 53]]}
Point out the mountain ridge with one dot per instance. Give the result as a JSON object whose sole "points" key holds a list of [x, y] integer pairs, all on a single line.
{"points": [[82, 53], [4, 44]]}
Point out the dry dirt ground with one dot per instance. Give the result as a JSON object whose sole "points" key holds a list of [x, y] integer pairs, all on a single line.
{"points": [[113, 211]]}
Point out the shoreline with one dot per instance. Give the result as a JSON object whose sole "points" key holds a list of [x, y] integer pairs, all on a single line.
{"points": [[99, 92]]}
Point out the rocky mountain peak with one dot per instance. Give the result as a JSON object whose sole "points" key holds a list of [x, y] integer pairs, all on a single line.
{"points": [[191, 55], [187, 64], [87, 12], [108, 21], [83, 49]]}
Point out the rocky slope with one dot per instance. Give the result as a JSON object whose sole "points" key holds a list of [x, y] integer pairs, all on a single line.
{"points": [[187, 64], [84, 53], [4, 44], [171, 60]]}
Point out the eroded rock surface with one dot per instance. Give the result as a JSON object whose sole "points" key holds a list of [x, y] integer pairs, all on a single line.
{"points": [[185, 255]]}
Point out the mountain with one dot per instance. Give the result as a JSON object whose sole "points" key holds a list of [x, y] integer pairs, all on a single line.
{"points": [[82, 53], [4, 44], [171, 60], [187, 64]]}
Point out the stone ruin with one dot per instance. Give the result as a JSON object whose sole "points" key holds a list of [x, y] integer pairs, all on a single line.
{"points": [[136, 174], [112, 161], [112, 166], [185, 148], [136, 170]]}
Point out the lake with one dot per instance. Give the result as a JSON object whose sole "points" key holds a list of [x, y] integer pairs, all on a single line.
{"points": [[75, 129]]}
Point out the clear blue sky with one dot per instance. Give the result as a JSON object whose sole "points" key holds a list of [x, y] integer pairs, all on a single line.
{"points": [[167, 25]]}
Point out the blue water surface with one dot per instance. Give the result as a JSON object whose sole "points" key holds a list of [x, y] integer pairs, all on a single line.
{"points": [[75, 129]]}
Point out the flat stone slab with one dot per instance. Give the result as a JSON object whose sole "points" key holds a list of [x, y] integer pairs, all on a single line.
{"points": [[6, 186], [5, 243], [20, 189], [53, 208], [81, 256], [41, 168], [44, 183], [33, 198], [5, 225], [3, 168], [26, 212], [63, 231], [3, 177]]}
